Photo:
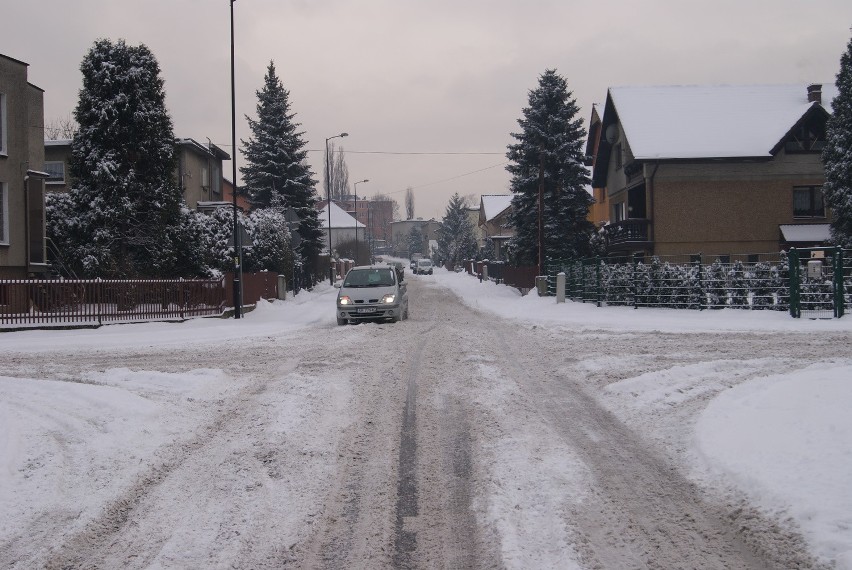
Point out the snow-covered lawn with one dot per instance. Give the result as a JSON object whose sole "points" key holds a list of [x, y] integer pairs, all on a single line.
{"points": [[783, 440]]}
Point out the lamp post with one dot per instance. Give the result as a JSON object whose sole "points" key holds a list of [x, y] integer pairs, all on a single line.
{"points": [[237, 246], [355, 186], [328, 205]]}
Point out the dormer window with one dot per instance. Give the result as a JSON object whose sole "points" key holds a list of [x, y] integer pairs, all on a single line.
{"points": [[809, 136]]}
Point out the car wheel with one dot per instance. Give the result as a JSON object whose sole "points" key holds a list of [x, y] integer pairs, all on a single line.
{"points": [[341, 322]]}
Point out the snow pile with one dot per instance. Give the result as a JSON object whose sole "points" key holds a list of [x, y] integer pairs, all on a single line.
{"points": [[107, 427], [786, 440]]}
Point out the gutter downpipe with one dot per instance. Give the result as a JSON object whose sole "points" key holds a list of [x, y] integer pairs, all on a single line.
{"points": [[651, 231]]}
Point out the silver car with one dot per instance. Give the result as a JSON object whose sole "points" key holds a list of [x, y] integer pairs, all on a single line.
{"points": [[371, 292]]}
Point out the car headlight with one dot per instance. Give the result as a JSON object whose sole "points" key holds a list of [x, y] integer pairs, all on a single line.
{"points": [[389, 298], [344, 300]]}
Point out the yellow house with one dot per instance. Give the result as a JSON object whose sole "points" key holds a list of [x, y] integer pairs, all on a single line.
{"points": [[717, 170]]}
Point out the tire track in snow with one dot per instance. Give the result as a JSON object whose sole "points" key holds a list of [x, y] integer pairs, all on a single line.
{"points": [[102, 536]]}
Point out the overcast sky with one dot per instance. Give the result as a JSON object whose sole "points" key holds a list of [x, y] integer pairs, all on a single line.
{"points": [[408, 76]]}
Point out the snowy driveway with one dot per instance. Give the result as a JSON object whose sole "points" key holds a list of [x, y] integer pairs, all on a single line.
{"points": [[455, 439]]}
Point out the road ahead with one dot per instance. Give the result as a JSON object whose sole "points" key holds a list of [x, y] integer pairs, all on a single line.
{"points": [[453, 439]]}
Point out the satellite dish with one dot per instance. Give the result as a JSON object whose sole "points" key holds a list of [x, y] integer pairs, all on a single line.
{"points": [[612, 133]]}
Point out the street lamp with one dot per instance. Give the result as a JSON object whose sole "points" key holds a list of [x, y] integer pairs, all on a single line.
{"points": [[328, 199], [355, 186], [237, 249]]}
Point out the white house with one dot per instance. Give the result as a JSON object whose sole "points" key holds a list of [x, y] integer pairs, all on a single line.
{"points": [[342, 225]]}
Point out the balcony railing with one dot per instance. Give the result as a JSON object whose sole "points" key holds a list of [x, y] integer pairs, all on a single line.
{"points": [[633, 230]]}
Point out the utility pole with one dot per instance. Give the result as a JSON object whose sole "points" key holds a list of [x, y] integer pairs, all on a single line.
{"points": [[541, 211], [238, 268]]}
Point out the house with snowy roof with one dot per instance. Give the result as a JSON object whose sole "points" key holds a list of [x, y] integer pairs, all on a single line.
{"points": [[494, 210], [341, 225], [717, 170], [23, 250]]}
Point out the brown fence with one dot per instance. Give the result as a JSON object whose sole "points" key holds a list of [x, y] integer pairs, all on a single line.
{"points": [[26, 302], [255, 286], [522, 277]]}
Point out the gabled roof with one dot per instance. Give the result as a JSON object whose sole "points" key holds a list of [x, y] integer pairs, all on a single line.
{"points": [[209, 150], [340, 218], [715, 121], [495, 204]]}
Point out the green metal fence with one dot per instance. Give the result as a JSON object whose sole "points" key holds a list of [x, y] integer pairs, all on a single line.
{"points": [[814, 282]]}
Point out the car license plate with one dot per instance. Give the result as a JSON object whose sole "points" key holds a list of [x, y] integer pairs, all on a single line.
{"points": [[367, 310]]}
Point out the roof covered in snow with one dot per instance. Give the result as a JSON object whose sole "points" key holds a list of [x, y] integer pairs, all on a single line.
{"points": [[715, 121], [494, 204], [340, 218]]}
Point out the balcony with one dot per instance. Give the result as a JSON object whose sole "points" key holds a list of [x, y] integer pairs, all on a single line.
{"points": [[627, 231]]}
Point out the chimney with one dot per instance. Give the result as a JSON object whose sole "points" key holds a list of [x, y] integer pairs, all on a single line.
{"points": [[815, 93]]}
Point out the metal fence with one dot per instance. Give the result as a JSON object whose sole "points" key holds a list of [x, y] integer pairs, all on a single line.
{"points": [[57, 302], [814, 282]]}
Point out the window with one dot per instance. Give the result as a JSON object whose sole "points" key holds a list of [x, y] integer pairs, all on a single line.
{"points": [[3, 149], [217, 179], [56, 169], [807, 202], [205, 177], [4, 214], [618, 212]]}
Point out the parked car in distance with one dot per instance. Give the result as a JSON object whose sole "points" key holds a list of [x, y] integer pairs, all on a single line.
{"points": [[372, 292], [424, 266]]}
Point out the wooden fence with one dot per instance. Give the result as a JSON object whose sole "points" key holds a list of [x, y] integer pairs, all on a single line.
{"points": [[75, 301]]}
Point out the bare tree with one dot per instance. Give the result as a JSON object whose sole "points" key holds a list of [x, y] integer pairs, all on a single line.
{"points": [[337, 174], [470, 200], [385, 198], [57, 129], [341, 176], [409, 203]]}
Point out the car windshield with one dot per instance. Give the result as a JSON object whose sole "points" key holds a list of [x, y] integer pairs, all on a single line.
{"points": [[425, 263], [369, 278]]}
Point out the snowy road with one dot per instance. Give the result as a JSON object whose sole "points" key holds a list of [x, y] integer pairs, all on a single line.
{"points": [[455, 439]]}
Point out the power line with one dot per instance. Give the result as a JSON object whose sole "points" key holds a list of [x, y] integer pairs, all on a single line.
{"points": [[412, 153], [449, 179], [391, 152]]}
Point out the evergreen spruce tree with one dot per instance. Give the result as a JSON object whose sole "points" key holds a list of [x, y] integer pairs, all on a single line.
{"points": [[415, 241], [127, 217], [551, 144], [277, 173], [837, 155], [456, 240]]}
